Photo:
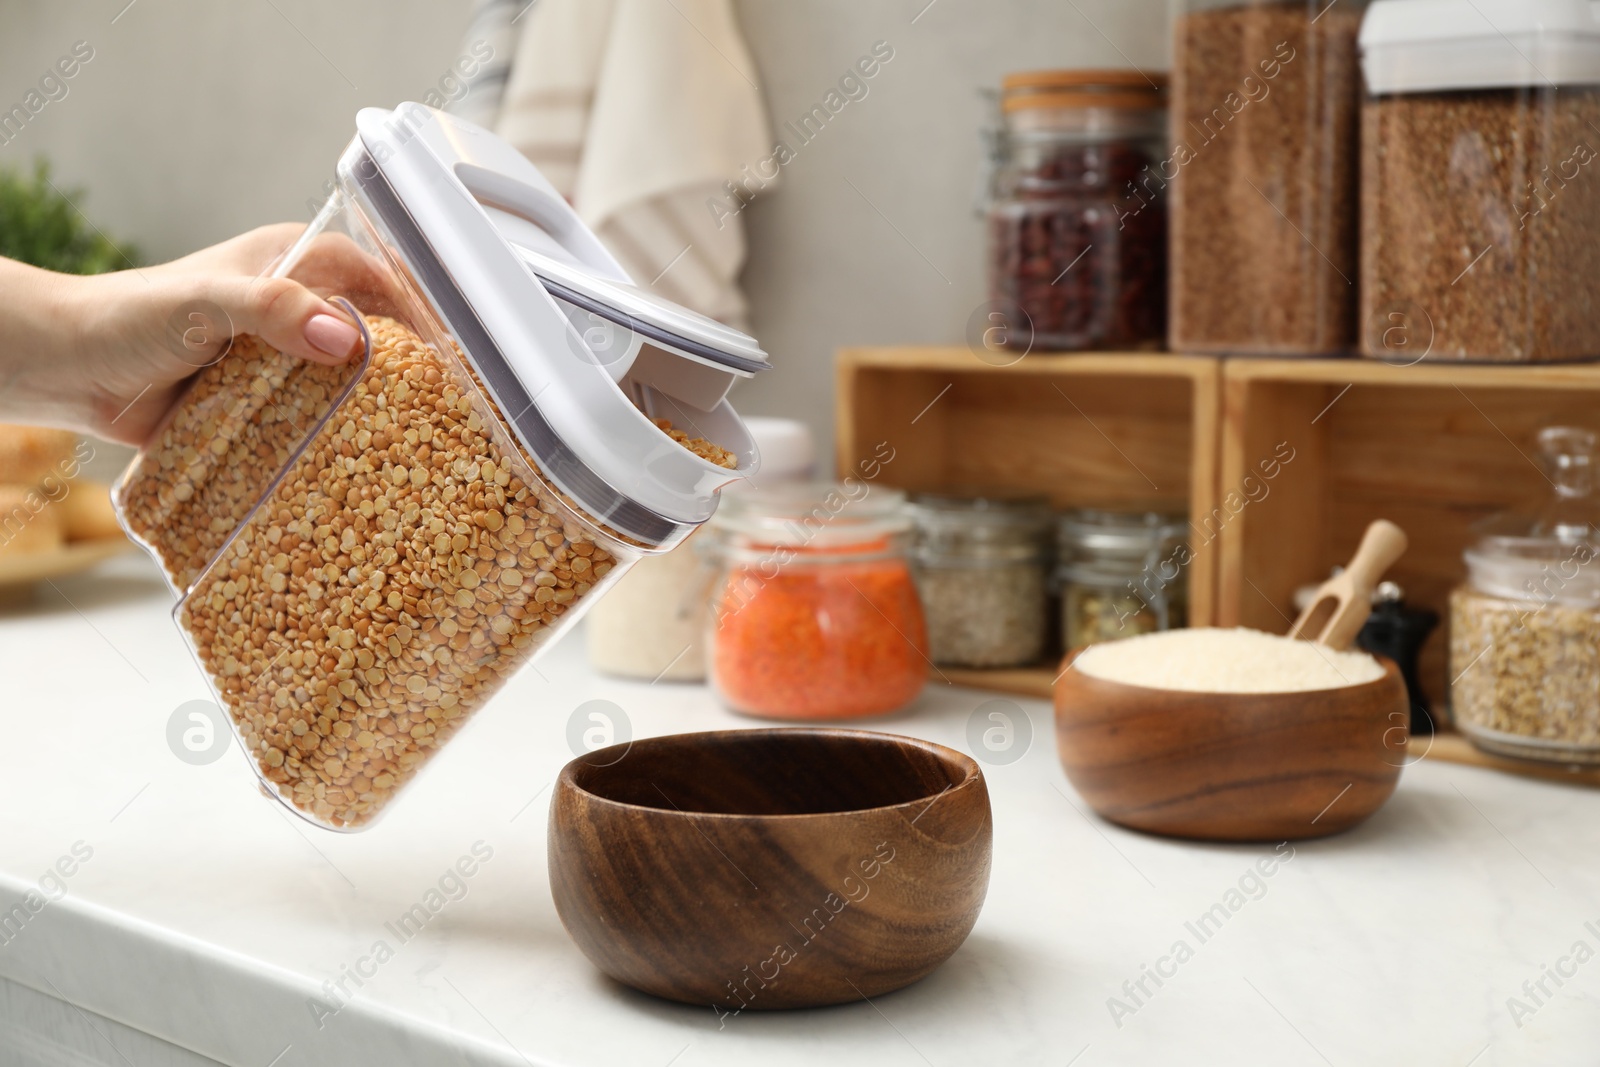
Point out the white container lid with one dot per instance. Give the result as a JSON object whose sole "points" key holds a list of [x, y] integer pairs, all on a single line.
{"points": [[1416, 46], [683, 330], [510, 268]]}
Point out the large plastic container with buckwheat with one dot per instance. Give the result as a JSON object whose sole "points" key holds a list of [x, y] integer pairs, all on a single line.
{"points": [[1480, 201], [1262, 177], [364, 555]]}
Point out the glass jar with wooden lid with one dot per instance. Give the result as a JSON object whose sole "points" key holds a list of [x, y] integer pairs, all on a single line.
{"points": [[1077, 245]]}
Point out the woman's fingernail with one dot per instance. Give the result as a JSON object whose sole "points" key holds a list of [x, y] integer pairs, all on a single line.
{"points": [[332, 335]]}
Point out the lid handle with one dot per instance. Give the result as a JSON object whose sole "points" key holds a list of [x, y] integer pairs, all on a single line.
{"points": [[1569, 457], [543, 207]]}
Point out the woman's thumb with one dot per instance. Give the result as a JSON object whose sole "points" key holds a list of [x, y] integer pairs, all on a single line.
{"points": [[289, 317]]}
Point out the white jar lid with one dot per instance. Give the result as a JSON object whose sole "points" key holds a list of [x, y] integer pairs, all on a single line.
{"points": [[788, 450], [1415, 46]]}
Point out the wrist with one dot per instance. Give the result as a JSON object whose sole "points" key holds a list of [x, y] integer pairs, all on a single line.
{"points": [[34, 298], [38, 335]]}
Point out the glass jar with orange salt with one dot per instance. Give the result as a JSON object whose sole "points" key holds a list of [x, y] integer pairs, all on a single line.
{"points": [[815, 613]]}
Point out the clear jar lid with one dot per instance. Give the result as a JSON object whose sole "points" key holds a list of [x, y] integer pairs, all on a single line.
{"points": [[1544, 550], [1103, 532], [1096, 543], [824, 516], [971, 526]]}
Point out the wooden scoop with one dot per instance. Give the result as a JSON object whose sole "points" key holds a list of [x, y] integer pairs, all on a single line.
{"points": [[1342, 605]]}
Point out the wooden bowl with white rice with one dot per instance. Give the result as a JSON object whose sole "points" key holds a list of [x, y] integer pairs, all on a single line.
{"points": [[1231, 735]]}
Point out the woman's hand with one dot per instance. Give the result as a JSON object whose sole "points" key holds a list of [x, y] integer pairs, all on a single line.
{"points": [[107, 354]]}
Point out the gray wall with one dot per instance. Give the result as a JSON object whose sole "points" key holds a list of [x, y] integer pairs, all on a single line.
{"points": [[827, 269], [198, 119]]}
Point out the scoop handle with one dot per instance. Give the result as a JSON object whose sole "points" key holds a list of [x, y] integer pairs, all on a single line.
{"points": [[1381, 547]]}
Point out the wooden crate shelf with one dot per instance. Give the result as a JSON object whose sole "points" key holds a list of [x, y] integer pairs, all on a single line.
{"points": [[1454, 748], [1116, 429], [1036, 682], [1434, 447], [1120, 430]]}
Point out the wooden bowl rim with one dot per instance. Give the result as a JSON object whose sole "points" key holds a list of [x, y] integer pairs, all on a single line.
{"points": [[1391, 672], [972, 774]]}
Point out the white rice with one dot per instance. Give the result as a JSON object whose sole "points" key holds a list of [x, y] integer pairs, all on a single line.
{"points": [[1226, 661]]}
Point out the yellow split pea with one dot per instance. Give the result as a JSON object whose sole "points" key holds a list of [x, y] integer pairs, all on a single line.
{"points": [[394, 579], [222, 445]]}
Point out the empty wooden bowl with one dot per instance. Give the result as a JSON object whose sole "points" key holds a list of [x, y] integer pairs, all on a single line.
{"points": [[1232, 766], [770, 868]]}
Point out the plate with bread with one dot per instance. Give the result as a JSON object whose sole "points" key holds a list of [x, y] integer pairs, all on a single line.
{"points": [[53, 523]]}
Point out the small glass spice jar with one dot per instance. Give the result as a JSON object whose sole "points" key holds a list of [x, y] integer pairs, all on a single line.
{"points": [[982, 572], [1077, 232], [815, 614], [1121, 574], [1525, 628]]}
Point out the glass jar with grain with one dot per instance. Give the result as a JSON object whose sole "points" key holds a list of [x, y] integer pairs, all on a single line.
{"points": [[366, 554], [1525, 628], [1121, 573], [982, 570], [814, 612], [1262, 171], [1077, 235], [1480, 235]]}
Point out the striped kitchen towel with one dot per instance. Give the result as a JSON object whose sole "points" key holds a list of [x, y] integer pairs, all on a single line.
{"points": [[491, 33], [641, 112]]}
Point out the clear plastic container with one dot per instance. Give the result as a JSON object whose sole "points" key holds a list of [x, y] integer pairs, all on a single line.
{"points": [[1480, 210], [364, 555], [1078, 227], [1121, 574], [815, 613], [1525, 628], [983, 573], [1263, 175]]}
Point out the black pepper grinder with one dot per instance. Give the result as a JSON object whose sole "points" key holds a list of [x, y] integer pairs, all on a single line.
{"points": [[1399, 632]]}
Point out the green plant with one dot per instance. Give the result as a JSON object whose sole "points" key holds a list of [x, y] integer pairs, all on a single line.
{"points": [[40, 224]]}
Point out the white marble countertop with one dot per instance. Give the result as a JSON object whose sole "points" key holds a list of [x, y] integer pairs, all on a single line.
{"points": [[199, 913]]}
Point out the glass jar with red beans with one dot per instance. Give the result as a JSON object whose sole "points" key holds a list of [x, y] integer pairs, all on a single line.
{"points": [[1077, 222]]}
